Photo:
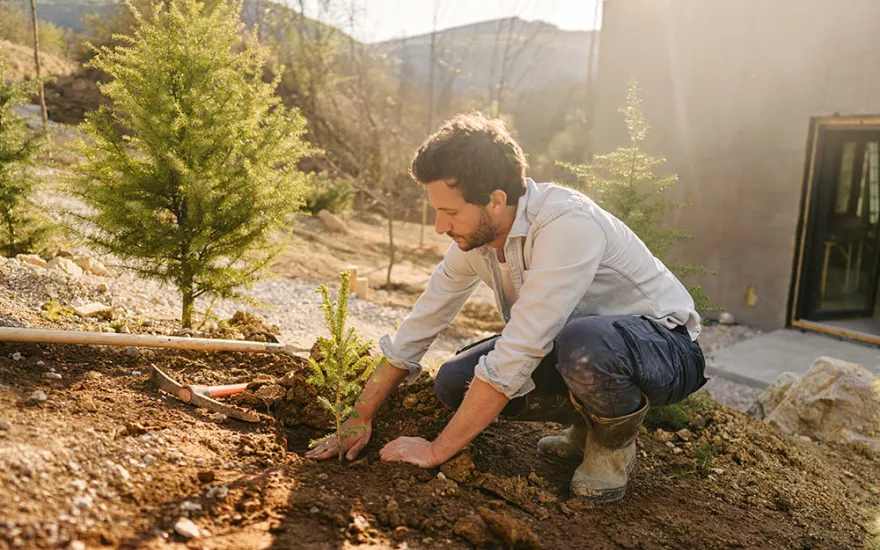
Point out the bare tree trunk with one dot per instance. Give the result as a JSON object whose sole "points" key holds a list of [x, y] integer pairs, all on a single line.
{"points": [[188, 307], [37, 62], [432, 63], [391, 249], [588, 154]]}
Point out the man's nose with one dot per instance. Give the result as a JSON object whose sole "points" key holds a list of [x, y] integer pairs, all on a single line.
{"points": [[441, 226]]}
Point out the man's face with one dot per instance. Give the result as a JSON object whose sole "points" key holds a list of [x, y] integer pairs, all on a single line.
{"points": [[469, 225]]}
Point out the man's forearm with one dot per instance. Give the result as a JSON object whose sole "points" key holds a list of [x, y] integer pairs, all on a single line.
{"points": [[385, 378], [482, 403]]}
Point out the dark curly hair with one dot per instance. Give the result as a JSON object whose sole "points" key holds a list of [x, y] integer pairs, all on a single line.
{"points": [[475, 154]]}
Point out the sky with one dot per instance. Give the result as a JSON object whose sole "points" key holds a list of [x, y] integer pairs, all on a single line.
{"points": [[379, 20]]}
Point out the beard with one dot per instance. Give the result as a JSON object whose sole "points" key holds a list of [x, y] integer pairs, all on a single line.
{"points": [[484, 234]]}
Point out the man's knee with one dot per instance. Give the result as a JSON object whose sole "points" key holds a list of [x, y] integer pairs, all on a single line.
{"points": [[451, 383], [586, 343]]}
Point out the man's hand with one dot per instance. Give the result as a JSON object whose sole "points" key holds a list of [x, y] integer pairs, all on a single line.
{"points": [[360, 435], [482, 403], [414, 450]]}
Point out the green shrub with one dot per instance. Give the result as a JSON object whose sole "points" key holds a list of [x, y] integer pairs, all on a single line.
{"points": [[333, 194]]}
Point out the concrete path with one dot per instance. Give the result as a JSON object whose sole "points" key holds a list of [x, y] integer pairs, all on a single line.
{"points": [[759, 361]]}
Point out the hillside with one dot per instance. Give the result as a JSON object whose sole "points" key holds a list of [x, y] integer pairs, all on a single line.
{"points": [[21, 61], [538, 54]]}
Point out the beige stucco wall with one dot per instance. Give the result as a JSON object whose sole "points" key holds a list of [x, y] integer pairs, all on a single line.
{"points": [[729, 87]]}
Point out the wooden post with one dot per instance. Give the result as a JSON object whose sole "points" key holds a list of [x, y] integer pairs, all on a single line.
{"points": [[43, 113]]}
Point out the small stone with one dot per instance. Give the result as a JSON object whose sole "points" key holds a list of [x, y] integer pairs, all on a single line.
{"points": [[849, 474], [41, 363], [676, 451], [218, 493], [359, 523], [189, 506], [804, 438], [83, 502], [16, 356], [102, 288], [125, 330], [147, 323], [186, 528], [39, 396], [206, 476], [88, 405], [323, 476], [65, 266], [220, 417], [93, 266], [149, 459], [670, 444], [314, 510], [683, 434], [441, 475], [52, 375], [5, 424], [94, 309], [663, 436], [410, 401], [718, 471], [132, 351], [136, 373], [401, 532], [76, 545]]}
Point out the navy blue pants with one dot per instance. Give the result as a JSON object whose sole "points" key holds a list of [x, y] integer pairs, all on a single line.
{"points": [[606, 363]]}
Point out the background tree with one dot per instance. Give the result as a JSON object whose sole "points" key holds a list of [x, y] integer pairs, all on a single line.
{"points": [[625, 182], [195, 164], [22, 229]]}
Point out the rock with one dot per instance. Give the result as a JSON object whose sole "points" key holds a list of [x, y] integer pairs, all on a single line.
{"points": [[410, 401], [189, 506], [400, 532], [40, 363], [94, 309], [676, 450], [52, 375], [132, 351], [684, 434], [834, 401], [76, 545], [16, 356], [218, 493], [93, 266], [726, 318], [32, 259], [186, 528], [441, 475], [66, 266], [359, 523], [119, 470], [5, 425], [83, 502], [314, 510], [39, 396], [102, 288], [804, 438], [206, 476], [332, 221], [663, 436], [774, 394], [136, 373]]}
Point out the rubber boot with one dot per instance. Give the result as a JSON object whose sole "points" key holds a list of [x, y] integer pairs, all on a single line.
{"points": [[609, 455], [569, 446]]}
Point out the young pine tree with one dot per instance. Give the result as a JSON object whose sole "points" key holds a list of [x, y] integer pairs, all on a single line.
{"points": [[344, 364], [625, 182], [195, 164], [22, 229]]}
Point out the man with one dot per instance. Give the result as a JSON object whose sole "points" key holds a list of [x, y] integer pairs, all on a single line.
{"points": [[597, 328]]}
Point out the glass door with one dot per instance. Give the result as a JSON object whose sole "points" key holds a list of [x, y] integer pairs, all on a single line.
{"points": [[843, 251]]}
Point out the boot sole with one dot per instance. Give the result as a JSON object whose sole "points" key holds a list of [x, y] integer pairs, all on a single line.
{"points": [[607, 496]]}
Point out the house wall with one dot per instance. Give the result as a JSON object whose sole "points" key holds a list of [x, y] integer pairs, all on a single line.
{"points": [[728, 88]]}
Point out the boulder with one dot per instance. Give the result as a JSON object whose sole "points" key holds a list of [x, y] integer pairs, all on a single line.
{"points": [[93, 266], [32, 259], [332, 221], [834, 401], [774, 394], [66, 266]]}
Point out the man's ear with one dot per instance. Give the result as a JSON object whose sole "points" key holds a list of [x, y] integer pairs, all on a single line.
{"points": [[497, 201]]}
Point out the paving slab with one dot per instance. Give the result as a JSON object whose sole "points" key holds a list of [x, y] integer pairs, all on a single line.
{"points": [[760, 360]]}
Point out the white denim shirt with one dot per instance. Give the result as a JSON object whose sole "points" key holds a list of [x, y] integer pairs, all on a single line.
{"points": [[568, 259]]}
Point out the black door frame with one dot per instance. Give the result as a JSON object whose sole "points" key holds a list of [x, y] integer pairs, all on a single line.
{"points": [[810, 210]]}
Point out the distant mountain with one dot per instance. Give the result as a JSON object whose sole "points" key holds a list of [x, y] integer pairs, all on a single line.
{"points": [[537, 54], [69, 13]]}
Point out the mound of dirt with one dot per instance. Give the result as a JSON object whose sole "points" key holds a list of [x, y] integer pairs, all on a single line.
{"points": [[107, 460]]}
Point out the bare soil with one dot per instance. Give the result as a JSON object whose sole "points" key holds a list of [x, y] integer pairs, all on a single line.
{"points": [[109, 461]]}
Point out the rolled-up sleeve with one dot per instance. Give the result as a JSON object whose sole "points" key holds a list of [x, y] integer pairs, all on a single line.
{"points": [[556, 279], [451, 284]]}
